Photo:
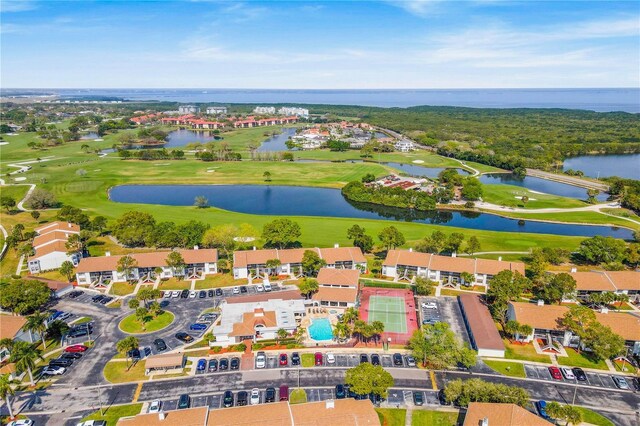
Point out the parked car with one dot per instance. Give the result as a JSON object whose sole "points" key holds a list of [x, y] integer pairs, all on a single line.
{"points": [[53, 371], [295, 358], [255, 396], [364, 358], [620, 382], [164, 304], [175, 293], [218, 292], [76, 348], [202, 365], [636, 383], [92, 423], [184, 401], [71, 355], [184, 337], [198, 327], [227, 399], [567, 373], [411, 361], [331, 358], [284, 393], [167, 294], [267, 287], [236, 290], [243, 289], [235, 363], [193, 294], [224, 364], [213, 365], [580, 374], [241, 399], [134, 354], [341, 392], [375, 359], [418, 398], [155, 406], [202, 294], [442, 398], [160, 345], [184, 294], [259, 288], [541, 408], [60, 362], [65, 316], [21, 422], [270, 395], [210, 293], [375, 399], [106, 300], [555, 373], [318, 358], [429, 305], [261, 360], [397, 360], [97, 299], [284, 360]]}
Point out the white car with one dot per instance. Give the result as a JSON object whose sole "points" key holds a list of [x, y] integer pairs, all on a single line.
{"points": [[93, 423], [168, 294], [22, 422], [331, 358], [155, 406], [429, 305], [267, 287], [175, 293], [193, 294], [259, 288], [567, 373], [255, 396], [261, 360], [53, 371], [236, 290]]}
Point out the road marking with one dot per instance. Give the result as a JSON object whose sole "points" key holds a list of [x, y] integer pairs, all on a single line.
{"points": [[136, 395], [434, 386]]}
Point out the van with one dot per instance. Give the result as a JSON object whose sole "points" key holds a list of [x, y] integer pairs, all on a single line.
{"points": [[284, 393], [267, 286]]}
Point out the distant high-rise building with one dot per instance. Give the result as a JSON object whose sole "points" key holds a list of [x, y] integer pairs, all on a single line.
{"points": [[299, 112], [188, 109], [216, 110], [264, 110]]}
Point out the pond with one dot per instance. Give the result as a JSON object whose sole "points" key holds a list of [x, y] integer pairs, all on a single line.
{"points": [[420, 171], [184, 137], [306, 201], [539, 185], [277, 142], [597, 166]]}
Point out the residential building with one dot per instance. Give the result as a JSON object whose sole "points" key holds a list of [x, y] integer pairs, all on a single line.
{"points": [[58, 288], [216, 110], [50, 247], [252, 263], [499, 414], [11, 328], [405, 264], [482, 330], [545, 320], [142, 119], [337, 287], [404, 146], [262, 110], [188, 109], [339, 412], [183, 119], [257, 320], [149, 266], [300, 112], [204, 124], [619, 282]]}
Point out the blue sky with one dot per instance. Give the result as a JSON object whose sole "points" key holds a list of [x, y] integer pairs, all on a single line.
{"points": [[322, 45]]}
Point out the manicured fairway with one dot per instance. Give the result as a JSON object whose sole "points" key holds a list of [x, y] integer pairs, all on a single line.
{"points": [[390, 311]]}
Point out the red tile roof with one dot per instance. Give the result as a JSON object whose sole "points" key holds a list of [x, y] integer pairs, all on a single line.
{"points": [[146, 260]]}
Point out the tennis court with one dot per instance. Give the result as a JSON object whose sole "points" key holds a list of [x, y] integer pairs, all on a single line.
{"points": [[390, 311]]}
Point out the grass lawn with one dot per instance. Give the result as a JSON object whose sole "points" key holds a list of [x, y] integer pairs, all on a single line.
{"points": [[392, 416], [307, 360], [523, 352], [218, 280], [116, 304], [591, 417], [131, 325], [512, 369], [116, 372], [297, 396], [174, 284], [121, 289], [435, 418], [82, 320], [511, 196], [583, 360], [113, 413], [575, 217], [628, 368], [451, 292]]}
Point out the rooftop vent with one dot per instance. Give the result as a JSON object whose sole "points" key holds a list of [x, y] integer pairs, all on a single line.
{"points": [[540, 302], [330, 403]]}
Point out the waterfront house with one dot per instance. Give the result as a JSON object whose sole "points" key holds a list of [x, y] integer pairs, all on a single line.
{"points": [[337, 287], [50, 247], [404, 146]]}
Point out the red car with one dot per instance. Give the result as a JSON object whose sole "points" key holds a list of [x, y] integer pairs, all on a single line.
{"points": [[555, 373], [76, 348], [283, 359], [318, 358]]}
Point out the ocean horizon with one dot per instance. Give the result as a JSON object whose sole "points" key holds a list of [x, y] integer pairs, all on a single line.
{"points": [[593, 99]]}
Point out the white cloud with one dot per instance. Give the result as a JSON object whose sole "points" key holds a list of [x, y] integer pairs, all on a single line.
{"points": [[17, 5], [415, 7]]}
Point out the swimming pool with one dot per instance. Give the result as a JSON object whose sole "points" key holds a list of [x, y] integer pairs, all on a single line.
{"points": [[320, 329]]}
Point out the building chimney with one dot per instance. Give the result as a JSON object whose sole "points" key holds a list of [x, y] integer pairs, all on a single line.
{"points": [[485, 421], [540, 302], [196, 247], [604, 310], [336, 245], [330, 403], [107, 253], [574, 270], [499, 258], [69, 224], [454, 254], [162, 415]]}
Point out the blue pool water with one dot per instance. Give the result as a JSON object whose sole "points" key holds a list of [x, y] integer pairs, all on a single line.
{"points": [[320, 329]]}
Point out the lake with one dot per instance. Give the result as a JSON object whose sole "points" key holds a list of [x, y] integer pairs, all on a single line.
{"points": [[277, 142], [623, 165], [539, 185], [306, 201], [184, 137]]}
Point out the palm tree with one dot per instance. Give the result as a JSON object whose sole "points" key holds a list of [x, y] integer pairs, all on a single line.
{"points": [[282, 333], [7, 343], [343, 331], [36, 323], [66, 269], [350, 315], [378, 328], [359, 328], [126, 345], [125, 265], [25, 355], [7, 391]]}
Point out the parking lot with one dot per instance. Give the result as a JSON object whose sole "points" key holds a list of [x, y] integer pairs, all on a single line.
{"points": [[540, 372], [342, 360], [446, 310]]}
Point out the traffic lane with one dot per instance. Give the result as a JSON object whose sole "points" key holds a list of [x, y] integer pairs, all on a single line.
{"points": [[557, 391]]}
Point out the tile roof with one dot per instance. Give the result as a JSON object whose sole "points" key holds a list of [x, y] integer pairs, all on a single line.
{"points": [[265, 296], [243, 258], [164, 361], [501, 415], [332, 276], [437, 262], [452, 264], [250, 319], [485, 333], [188, 417], [58, 225], [274, 414], [407, 258], [56, 246], [10, 325], [336, 294], [597, 281], [342, 254], [146, 260], [625, 280], [345, 412], [50, 237], [52, 284]]}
